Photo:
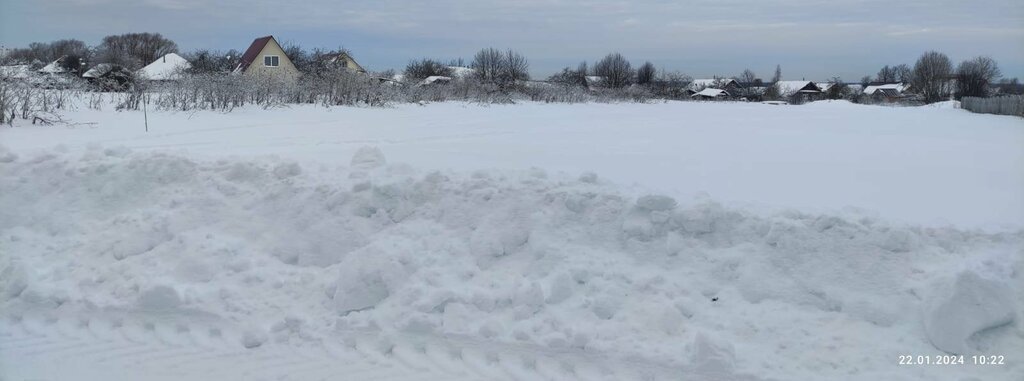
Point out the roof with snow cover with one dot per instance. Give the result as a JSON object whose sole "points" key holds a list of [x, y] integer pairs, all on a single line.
{"points": [[54, 67], [435, 79], [698, 84], [788, 88], [888, 89], [168, 67], [711, 93]]}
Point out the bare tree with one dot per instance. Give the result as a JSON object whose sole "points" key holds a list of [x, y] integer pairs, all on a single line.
{"points": [[671, 84], [747, 77], [974, 76], [838, 89], [582, 72], [645, 74], [865, 81], [299, 57], [931, 75], [886, 75], [514, 68], [494, 67], [134, 50], [487, 64], [778, 74], [615, 70], [903, 73]]}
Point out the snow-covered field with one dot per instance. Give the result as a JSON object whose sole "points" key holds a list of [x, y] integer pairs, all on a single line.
{"points": [[452, 241]]}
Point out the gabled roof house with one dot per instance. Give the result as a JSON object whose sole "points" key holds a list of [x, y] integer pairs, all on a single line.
{"points": [[888, 89], [710, 93], [345, 61], [266, 57], [792, 88]]}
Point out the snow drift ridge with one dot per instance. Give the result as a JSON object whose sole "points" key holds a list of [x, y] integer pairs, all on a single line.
{"points": [[509, 256]]}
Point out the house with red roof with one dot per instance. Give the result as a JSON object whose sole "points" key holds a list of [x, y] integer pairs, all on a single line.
{"points": [[266, 57]]}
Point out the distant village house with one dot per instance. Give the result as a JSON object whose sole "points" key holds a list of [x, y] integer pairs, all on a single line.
{"points": [[170, 67], [266, 57]]}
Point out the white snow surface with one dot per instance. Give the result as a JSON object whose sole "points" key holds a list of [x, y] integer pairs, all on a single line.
{"points": [[918, 165], [168, 67], [348, 241]]}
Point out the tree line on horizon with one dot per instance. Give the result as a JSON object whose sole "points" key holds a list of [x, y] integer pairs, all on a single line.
{"points": [[933, 76]]}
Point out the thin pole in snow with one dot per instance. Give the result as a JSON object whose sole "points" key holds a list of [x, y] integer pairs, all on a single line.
{"points": [[145, 113]]}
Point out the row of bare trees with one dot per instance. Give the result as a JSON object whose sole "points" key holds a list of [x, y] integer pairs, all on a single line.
{"points": [[131, 50], [501, 68], [935, 77]]}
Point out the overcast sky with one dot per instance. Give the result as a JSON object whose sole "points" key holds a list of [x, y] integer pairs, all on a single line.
{"points": [[813, 39]]}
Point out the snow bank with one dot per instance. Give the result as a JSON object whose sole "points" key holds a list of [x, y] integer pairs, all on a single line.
{"points": [[966, 306], [565, 262]]}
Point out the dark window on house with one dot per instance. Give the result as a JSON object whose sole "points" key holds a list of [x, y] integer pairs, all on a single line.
{"points": [[271, 60]]}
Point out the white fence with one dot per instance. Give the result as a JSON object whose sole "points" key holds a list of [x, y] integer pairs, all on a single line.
{"points": [[1011, 105]]}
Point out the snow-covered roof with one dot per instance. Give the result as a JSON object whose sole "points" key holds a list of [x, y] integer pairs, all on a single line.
{"points": [[824, 86], [168, 67], [105, 69], [98, 71], [713, 93], [462, 71], [889, 87], [16, 71], [787, 88], [435, 79], [698, 84], [53, 67]]}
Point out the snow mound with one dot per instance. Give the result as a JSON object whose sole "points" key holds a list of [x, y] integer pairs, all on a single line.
{"points": [[368, 158], [513, 257], [159, 298], [967, 306]]}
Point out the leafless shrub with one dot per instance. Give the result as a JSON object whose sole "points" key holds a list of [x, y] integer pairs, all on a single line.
{"points": [[22, 99]]}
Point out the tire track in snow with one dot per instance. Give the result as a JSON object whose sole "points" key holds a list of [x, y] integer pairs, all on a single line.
{"points": [[130, 347]]}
